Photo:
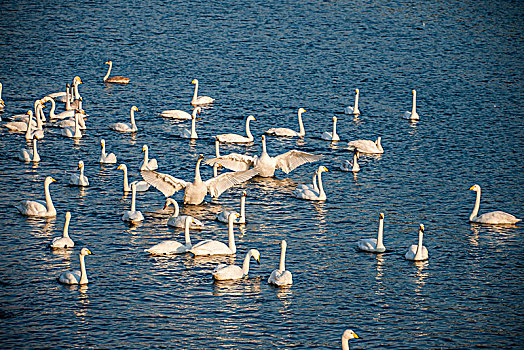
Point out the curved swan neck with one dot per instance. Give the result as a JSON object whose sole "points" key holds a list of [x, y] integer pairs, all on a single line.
{"points": [[302, 131], [177, 208], [133, 125], [187, 223], [66, 227], [418, 255], [380, 236], [108, 70], [48, 200], [282, 265], [476, 207], [248, 131], [345, 344], [315, 185], [217, 148], [379, 145], [245, 264], [133, 198], [83, 273], [231, 234], [52, 111], [321, 192]]}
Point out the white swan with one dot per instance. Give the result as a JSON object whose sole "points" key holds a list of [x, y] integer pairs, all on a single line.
{"points": [[312, 186], [191, 134], [116, 79], [353, 109], [20, 125], [173, 247], [225, 272], [200, 100], [147, 164], [76, 277], [348, 166], [413, 115], [418, 252], [346, 336], [290, 132], [211, 247], [27, 155], [52, 114], [104, 157], [179, 221], [196, 191], [34, 208], [75, 132], [32, 132], [281, 277], [265, 165], [178, 114], [331, 136], [75, 95], [133, 215], [310, 194], [2, 103], [65, 241], [494, 217], [69, 111], [224, 216], [235, 138], [374, 245], [71, 122], [235, 161], [124, 127], [79, 179], [141, 186], [367, 146]]}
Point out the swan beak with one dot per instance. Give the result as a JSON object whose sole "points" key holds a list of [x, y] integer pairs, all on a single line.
{"points": [[143, 148], [258, 261], [119, 167], [53, 180], [244, 194], [201, 156], [89, 252], [194, 81], [472, 188], [356, 336]]}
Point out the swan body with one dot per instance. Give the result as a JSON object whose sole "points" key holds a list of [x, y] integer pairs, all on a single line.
{"points": [[133, 215], [311, 194], [65, 241], [196, 191], [285, 132], [225, 272], [331, 136], [179, 221], [418, 252], [312, 186], [281, 277], [353, 109], [173, 247], [20, 122], [348, 166], [27, 155], [116, 79], [178, 114], [346, 336], [32, 132], [71, 122], [124, 127], [211, 247], [492, 218], [413, 115], [367, 146], [374, 245], [104, 157], [224, 216], [191, 134], [235, 138], [79, 179], [148, 164], [141, 186], [34, 208], [200, 100], [76, 277], [75, 132]]}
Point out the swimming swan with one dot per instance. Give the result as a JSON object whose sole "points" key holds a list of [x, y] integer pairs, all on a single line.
{"points": [[27, 155], [69, 111], [104, 157], [191, 134], [331, 136], [225, 272], [141, 186], [196, 191], [200, 100], [290, 132], [494, 217], [374, 245], [418, 252], [348, 334], [367, 146], [211, 247], [133, 215], [413, 115], [124, 127], [76, 277], [353, 109], [281, 277], [179, 221], [2, 103], [34, 208], [71, 122], [311, 194], [235, 138], [75, 132], [348, 166], [32, 132], [173, 247], [148, 164], [65, 241], [178, 114], [79, 179], [116, 79], [224, 216], [312, 186]]}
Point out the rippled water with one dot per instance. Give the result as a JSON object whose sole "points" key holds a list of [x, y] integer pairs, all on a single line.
{"points": [[465, 59]]}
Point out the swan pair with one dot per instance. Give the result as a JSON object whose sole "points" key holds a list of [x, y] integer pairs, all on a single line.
{"points": [[65, 241], [173, 247], [312, 193], [281, 277], [104, 157], [225, 272], [79, 179], [224, 216], [331, 136], [349, 166], [148, 164], [178, 221], [133, 215], [125, 127], [494, 217], [211, 247], [200, 100], [191, 134], [31, 128], [35, 208], [29, 155], [286, 132], [140, 186], [235, 138], [367, 146], [76, 277], [353, 109], [116, 79]]}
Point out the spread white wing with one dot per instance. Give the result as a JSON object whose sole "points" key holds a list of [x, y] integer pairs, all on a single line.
{"points": [[290, 160], [165, 183], [233, 161], [217, 185]]}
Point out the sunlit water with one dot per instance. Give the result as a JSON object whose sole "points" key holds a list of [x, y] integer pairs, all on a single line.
{"points": [[465, 59]]}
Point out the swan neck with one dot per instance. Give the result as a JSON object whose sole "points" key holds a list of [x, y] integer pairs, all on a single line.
{"points": [[126, 182], [177, 209], [315, 185], [334, 127], [245, 265], [83, 272], [77, 94], [264, 149], [146, 157], [133, 125], [108, 71], [215, 170], [195, 93], [77, 125], [414, 108], [36, 156], [48, 200], [282, 264], [248, 131], [355, 110], [82, 172], [133, 199], [380, 236], [418, 255], [243, 207], [345, 344], [217, 148], [302, 131], [52, 111], [476, 207], [198, 178], [68, 97], [39, 116], [187, 238], [66, 227], [193, 128], [231, 235], [321, 192]]}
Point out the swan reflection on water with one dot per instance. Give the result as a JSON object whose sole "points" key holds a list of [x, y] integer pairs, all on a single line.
{"points": [[420, 275], [246, 285]]}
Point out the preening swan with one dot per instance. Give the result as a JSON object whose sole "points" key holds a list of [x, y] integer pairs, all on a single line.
{"points": [[191, 134], [179, 221], [173, 247], [494, 217], [27, 155], [141, 186], [348, 166], [133, 215], [65, 241], [124, 127], [224, 216], [34, 208], [353, 109], [413, 115], [311, 194], [348, 334], [418, 252], [148, 164], [200, 100], [331, 136], [374, 245], [235, 138], [116, 79], [178, 114], [281, 277], [104, 157], [266, 165], [289, 132], [210, 247], [225, 272], [367, 146], [79, 179], [75, 132], [76, 277], [196, 191]]}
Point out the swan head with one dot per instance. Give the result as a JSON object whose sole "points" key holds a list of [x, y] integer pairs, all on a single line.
{"points": [[135, 108], [251, 117], [200, 156], [85, 251], [109, 62], [195, 81], [349, 334], [144, 148], [421, 229], [48, 180], [283, 244], [381, 216], [356, 153], [414, 92], [233, 216], [301, 110], [322, 169], [68, 215], [256, 255], [77, 80], [334, 119], [102, 143], [357, 91], [475, 188], [170, 201], [80, 164], [122, 167], [29, 113], [244, 194]]}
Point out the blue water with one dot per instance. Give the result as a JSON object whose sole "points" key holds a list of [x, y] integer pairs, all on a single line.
{"points": [[464, 58]]}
